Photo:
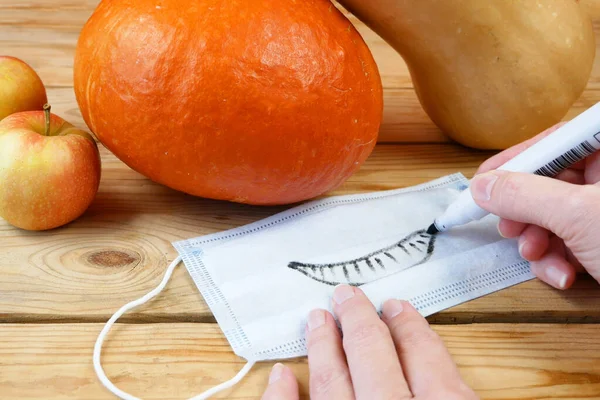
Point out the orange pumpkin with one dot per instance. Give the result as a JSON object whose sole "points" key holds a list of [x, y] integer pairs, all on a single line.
{"points": [[253, 101]]}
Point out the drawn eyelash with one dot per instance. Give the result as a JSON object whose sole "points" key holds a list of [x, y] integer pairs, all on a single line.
{"points": [[412, 250]]}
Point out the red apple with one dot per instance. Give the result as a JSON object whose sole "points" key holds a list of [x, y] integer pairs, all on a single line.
{"points": [[49, 170], [21, 89]]}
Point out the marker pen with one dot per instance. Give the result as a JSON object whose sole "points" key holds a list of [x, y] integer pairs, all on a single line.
{"points": [[574, 141]]}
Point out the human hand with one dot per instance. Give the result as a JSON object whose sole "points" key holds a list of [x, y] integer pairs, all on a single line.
{"points": [[556, 220], [396, 357]]}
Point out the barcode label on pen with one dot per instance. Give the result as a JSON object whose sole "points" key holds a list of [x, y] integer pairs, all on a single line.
{"points": [[563, 162]]}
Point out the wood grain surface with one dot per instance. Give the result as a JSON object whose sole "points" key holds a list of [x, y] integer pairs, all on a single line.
{"points": [[44, 33], [120, 248], [176, 361]]}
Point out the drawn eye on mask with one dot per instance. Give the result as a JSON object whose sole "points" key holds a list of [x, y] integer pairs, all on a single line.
{"points": [[412, 250]]}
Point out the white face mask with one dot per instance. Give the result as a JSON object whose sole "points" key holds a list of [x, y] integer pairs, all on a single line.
{"points": [[261, 280]]}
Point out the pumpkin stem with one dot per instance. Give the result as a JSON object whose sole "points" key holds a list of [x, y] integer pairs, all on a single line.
{"points": [[47, 118]]}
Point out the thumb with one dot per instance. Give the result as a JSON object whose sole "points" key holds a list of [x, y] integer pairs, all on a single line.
{"points": [[560, 207]]}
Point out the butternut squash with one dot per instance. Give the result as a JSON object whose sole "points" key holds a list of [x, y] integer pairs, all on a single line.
{"points": [[489, 73]]}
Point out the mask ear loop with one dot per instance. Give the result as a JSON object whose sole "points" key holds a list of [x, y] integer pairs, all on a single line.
{"points": [[127, 307]]}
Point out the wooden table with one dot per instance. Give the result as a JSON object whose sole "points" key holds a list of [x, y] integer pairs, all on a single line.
{"points": [[58, 288]]}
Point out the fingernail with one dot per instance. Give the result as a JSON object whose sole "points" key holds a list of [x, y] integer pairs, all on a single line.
{"points": [[343, 293], [499, 231], [535, 269], [482, 185], [276, 373], [556, 277], [392, 308], [522, 244], [316, 318]]}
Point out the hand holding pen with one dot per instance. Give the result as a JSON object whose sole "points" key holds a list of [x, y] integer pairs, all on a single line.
{"points": [[556, 220]]}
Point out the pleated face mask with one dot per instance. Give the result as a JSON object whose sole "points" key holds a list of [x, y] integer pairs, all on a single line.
{"points": [[262, 280]]}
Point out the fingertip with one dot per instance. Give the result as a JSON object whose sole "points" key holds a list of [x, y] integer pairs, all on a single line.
{"points": [[316, 319], [509, 229], [408, 306], [276, 373], [484, 167], [522, 246], [569, 282], [500, 230], [411, 311], [392, 308], [482, 185], [533, 243], [420, 348], [557, 275], [343, 293], [559, 279], [282, 384]]}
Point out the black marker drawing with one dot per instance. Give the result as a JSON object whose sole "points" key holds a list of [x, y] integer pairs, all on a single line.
{"points": [[413, 250]]}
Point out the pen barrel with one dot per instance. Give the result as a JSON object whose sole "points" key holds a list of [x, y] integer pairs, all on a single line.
{"points": [[569, 144], [462, 211]]}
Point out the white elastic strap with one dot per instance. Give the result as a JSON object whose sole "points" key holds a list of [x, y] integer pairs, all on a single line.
{"points": [[98, 346]]}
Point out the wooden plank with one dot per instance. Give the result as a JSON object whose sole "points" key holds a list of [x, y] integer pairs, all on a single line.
{"points": [[119, 249], [176, 361], [45, 34], [404, 121]]}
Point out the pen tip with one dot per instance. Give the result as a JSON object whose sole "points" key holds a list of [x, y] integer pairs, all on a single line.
{"points": [[432, 230]]}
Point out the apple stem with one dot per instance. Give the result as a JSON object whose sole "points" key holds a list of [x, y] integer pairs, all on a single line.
{"points": [[47, 118]]}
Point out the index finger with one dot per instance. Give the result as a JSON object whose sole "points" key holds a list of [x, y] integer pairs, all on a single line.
{"points": [[329, 374], [372, 359], [427, 363], [508, 154], [282, 384]]}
